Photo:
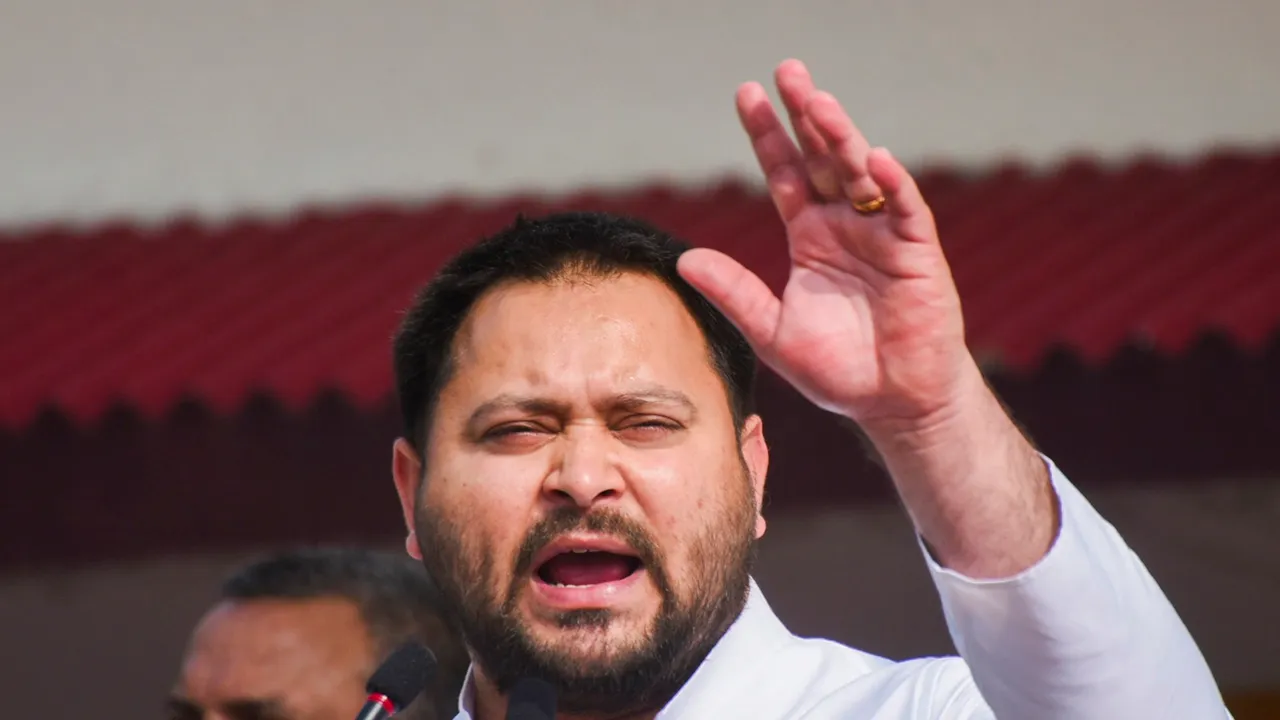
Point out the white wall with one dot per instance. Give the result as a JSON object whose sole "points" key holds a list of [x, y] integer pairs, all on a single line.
{"points": [[145, 107], [113, 635]]}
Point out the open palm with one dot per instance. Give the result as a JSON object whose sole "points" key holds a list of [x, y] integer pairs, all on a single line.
{"points": [[869, 324]]}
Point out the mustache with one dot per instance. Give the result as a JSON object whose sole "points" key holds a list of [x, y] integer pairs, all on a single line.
{"points": [[603, 522]]}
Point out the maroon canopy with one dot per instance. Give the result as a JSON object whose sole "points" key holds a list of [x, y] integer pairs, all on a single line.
{"points": [[221, 387], [1084, 258]]}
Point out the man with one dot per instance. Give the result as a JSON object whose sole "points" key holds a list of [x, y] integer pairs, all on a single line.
{"points": [[296, 635], [582, 471]]}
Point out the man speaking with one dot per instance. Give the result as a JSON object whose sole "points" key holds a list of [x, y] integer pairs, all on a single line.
{"points": [[582, 470]]}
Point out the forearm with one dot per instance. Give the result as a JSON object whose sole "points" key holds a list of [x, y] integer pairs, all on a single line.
{"points": [[1053, 614], [1084, 633], [978, 492]]}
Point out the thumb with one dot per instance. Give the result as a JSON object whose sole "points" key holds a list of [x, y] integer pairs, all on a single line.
{"points": [[738, 293]]}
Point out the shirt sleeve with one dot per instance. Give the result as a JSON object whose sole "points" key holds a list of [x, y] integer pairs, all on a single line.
{"points": [[1084, 634]]}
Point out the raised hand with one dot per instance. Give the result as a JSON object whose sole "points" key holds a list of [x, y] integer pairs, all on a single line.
{"points": [[869, 324]]}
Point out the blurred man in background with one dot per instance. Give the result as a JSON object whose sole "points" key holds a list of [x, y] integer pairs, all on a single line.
{"points": [[295, 636]]}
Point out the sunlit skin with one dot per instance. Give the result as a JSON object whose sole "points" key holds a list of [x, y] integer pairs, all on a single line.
{"points": [[869, 326], [275, 660], [595, 393]]}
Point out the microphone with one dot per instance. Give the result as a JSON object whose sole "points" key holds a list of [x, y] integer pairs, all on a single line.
{"points": [[531, 699], [401, 678]]}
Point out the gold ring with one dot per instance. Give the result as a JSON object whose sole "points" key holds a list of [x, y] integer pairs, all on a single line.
{"points": [[869, 207]]}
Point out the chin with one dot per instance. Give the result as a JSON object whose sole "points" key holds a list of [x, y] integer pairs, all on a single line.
{"points": [[595, 636]]}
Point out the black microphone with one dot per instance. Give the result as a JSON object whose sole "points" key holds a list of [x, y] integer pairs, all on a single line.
{"points": [[531, 699], [401, 678]]}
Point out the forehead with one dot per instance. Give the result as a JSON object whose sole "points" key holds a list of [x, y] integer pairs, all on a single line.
{"points": [[288, 649], [596, 333]]}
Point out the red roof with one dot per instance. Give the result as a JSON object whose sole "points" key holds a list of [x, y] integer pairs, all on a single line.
{"points": [[1084, 258]]}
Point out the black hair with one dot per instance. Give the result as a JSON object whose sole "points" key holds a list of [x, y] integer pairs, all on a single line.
{"points": [[395, 596], [543, 250]]}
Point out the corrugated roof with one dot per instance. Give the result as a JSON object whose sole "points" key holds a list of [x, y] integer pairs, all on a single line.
{"points": [[1084, 258]]}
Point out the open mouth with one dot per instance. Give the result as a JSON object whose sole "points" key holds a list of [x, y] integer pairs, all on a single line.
{"points": [[582, 566]]}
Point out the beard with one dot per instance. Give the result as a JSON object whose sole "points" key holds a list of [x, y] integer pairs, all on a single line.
{"points": [[640, 673]]}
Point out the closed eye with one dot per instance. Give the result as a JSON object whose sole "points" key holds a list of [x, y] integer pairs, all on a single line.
{"points": [[524, 434], [512, 430], [649, 429]]}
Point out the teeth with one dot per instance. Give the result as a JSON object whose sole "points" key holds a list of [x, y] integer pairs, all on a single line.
{"points": [[571, 586], [579, 552]]}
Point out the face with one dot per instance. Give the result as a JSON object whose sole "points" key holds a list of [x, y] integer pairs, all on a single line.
{"points": [[589, 507], [275, 660]]}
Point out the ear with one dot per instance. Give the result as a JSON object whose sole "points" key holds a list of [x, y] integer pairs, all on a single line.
{"points": [[406, 469], [756, 455]]}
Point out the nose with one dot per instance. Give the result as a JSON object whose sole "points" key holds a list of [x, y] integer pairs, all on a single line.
{"points": [[586, 473]]}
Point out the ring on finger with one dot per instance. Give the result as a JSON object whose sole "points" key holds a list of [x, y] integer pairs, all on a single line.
{"points": [[869, 207]]}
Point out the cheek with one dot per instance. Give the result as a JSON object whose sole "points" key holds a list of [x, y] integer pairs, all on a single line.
{"points": [[477, 486], [686, 495], [488, 508]]}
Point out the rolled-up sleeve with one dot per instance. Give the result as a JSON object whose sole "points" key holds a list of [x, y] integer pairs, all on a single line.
{"points": [[1086, 633]]}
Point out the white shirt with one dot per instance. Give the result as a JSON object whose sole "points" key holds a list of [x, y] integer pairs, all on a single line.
{"points": [[1085, 634]]}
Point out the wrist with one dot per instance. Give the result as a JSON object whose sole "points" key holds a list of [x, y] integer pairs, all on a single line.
{"points": [[965, 435], [968, 408], [976, 489]]}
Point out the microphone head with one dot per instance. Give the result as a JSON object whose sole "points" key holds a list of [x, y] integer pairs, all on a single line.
{"points": [[531, 699], [404, 674]]}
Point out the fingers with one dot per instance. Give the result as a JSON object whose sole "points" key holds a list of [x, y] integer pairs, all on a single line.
{"points": [[909, 215], [836, 162], [795, 86], [779, 159], [849, 148], [739, 293]]}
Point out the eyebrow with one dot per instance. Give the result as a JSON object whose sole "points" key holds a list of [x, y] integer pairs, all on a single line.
{"points": [[653, 396], [241, 709], [269, 709], [633, 400]]}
